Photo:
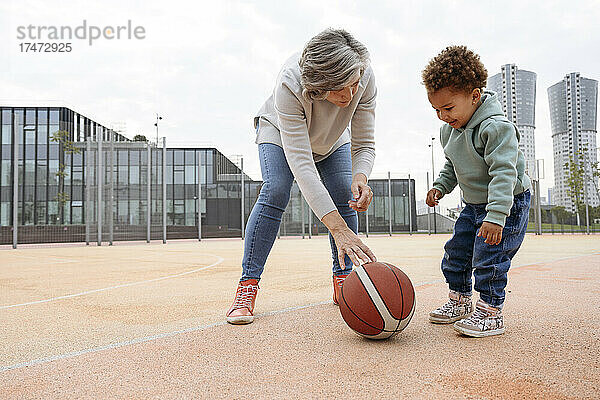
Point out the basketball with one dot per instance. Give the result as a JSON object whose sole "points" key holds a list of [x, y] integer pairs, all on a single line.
{"points": [[378, 300]]}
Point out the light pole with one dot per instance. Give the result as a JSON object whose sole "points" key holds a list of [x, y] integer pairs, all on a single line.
{"points": [[238, 159], [158, 118], [538, 174], [593, 179], [242, 195], [432, 180], [409, 207], [390, 199]]}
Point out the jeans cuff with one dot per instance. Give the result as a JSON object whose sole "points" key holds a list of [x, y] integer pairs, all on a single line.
{"points": [[244, 277], [492, 301], [343, 271], [462, 292]]}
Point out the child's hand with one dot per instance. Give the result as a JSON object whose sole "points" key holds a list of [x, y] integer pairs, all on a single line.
{"points": [[491, 232], [432, 197]]}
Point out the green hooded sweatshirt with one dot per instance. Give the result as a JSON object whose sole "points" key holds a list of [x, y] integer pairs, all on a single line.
{"points": [[485, 160]]}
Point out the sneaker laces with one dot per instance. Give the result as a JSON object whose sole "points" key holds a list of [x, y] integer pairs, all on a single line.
{"points": [[244, 297], [448, 306], [477, 316]]}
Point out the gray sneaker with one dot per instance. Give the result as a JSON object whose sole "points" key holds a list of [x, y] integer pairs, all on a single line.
{"points": [[458, 306], [485, 321]]}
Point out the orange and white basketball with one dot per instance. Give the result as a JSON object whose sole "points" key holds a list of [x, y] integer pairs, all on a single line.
{"points": [[378, 300]]}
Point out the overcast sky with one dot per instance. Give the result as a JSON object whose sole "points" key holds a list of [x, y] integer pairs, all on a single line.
{"points": [[207, 67]]}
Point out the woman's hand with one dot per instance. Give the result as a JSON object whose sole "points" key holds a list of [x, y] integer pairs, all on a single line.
{"points": [[433, 197], [362, 193], [492, 233], [346, 241]]}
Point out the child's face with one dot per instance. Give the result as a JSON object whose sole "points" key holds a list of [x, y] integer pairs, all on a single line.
{"points": [[454, 107]]}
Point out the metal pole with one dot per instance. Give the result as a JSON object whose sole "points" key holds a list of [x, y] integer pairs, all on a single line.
{"points": [[585, 197], [538, 205], [88, 188], [367, 216], [409, 207], [367, 222], [587, 212], [148, 191], [432, 180], [111, 176], [538, 213], [428, 210], [242, 175], [158, 118], [310, 214], [199, 198], [390, 199], [100, 176], [303, 219], [15, 165], [164, 189]]}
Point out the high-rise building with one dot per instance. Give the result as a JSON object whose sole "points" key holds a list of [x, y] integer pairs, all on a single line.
{"points": [[573, 115], [516, 92]]}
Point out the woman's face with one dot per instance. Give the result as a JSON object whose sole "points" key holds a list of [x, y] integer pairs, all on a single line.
{"points": [[343, 97]]}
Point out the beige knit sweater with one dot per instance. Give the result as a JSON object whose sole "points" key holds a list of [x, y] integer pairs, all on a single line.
{"points": [[309, 132]]}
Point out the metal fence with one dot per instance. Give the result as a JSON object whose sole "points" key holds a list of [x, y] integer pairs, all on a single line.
{"points": [[556, 219], [100, 190], [115, 209], [88, 200]]}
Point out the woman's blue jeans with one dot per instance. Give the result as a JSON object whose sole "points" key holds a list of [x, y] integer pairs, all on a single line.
{"points": [[265, 218], [467, 254]]}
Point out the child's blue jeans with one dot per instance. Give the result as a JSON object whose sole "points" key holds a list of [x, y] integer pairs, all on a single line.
{"points": [[264, 220], [467, 254]]}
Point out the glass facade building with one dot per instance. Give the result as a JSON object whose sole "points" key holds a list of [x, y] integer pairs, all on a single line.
{"points": [[40, 158], [93, 181]]}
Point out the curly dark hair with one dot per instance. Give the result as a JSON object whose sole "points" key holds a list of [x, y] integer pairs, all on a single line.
{"points": [[455, 67]]}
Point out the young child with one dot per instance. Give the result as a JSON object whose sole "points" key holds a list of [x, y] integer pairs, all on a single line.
{"points": [[483, 158]]}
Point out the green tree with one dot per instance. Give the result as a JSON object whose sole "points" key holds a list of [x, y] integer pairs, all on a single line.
{"points": [[67, 146], [576, 179], [580, 170], [595, 173], [140, 138], [561, 213]]}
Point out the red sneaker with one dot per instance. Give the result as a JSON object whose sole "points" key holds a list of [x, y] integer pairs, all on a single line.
{"points": [[338, 281], [241, 311]]}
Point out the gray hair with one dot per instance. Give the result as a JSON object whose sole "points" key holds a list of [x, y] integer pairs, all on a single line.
{"points": [[330, 61]]}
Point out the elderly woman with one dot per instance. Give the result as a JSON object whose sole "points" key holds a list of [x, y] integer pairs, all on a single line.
{"points": [[317, 127]]}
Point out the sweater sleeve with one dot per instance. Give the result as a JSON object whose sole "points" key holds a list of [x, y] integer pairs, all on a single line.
{"points": [[501, 152], [447, 181], [298, 151], [363, 131]]}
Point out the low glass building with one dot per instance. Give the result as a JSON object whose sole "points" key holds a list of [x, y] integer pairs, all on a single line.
{"points": [[62, 197]]}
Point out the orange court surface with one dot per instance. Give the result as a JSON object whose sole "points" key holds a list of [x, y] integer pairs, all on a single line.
{"points": [[147, 321]]}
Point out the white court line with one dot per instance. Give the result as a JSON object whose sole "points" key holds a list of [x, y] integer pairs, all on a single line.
{"points": [[147, 339], [215, 324], [68, 296]]}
